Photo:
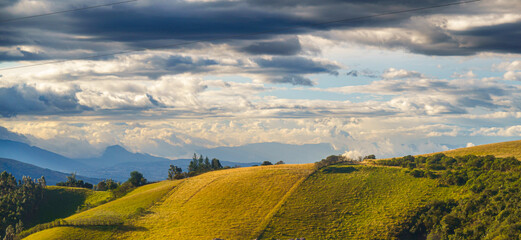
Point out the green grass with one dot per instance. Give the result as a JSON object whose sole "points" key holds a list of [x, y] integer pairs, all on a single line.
{"points": [[61, 202], [123, 208], [354, 202], [282, 201], [502, 149], [228, 204]]}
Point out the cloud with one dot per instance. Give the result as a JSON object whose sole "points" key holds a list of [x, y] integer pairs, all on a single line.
{"points": [[363, 73], [393, 73], [290, 46], [468, 74], [24, 99], [296, 65], [293, 80], [457, 30]]}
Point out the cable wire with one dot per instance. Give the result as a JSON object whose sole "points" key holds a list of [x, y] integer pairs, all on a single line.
{"points": [[65, 11]]}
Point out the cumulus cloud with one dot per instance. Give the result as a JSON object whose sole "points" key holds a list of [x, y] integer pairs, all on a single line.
{"points": [[24, 99], [279, 47], [393, 73]]}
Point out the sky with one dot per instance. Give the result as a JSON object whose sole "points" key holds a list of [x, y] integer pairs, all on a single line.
{"points": [[211, 73]]}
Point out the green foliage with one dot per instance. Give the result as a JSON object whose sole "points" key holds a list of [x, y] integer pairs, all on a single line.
{"points": [[73, 182], [137, 179], [18, 200], [266, 163], [333, 159], [107, 184], [175, 172], [202, 165], [490, 212], [123, 189]]}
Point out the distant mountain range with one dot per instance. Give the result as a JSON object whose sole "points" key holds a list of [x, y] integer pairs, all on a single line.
{"points": [[116, 162], [20, 169], [272, 151]]}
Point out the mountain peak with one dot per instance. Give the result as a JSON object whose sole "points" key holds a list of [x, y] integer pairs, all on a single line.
{"points": [[115, 150]]}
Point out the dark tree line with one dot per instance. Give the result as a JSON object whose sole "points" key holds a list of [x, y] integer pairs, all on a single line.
{"points": [[202, 165], [73, 182], [18, 200], [198, 165], [492, 209]]}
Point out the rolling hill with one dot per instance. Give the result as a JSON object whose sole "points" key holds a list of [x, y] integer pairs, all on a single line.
{"points": [[501, 149], [266, 202], [281, 202]]}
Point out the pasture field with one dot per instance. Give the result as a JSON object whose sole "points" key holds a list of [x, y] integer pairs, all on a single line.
{"points": [[354, 202]]}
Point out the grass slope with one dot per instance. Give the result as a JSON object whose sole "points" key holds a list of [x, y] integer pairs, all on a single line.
{"points": [[502, 149], [61, 202], [130, 205], [283, 201], [354, 202], [228, 204]]}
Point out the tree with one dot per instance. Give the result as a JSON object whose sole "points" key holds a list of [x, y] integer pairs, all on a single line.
{"points": [[207, 166], [9, 233], [216, 164], [73, 182], [137, 179], [175, 172], [19, 227], [111, 184], [266, 163], [102, 186], [280, 162], [372, 156]]}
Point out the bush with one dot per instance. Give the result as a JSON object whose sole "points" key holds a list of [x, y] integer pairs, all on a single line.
{"points": [[266, 163]]}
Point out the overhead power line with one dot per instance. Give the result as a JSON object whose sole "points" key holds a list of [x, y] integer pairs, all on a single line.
{"points": [[345, 20], [65, 11]]}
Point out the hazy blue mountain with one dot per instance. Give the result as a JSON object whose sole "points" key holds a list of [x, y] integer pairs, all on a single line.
{"points": [[36, 156], [259, 152], [152, 171], [20, 169], [116, 162], [116, 154]]}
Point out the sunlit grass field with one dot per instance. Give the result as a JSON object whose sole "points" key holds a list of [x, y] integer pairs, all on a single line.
{"points": [[282, 201], [502, 149], [134, 203], [228, 204], [354, 202]]}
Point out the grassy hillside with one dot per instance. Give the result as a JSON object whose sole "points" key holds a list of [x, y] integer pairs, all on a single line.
{"points": [[502, 149], [230, 204], [133, 204], [354, 202], [60, 202], [284, 201]]}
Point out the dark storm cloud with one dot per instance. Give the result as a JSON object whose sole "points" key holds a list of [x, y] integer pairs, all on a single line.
{"points": [[20, 55], [293, 80], [282, 47], [172, 22], [296, 65], [23, 99]]}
